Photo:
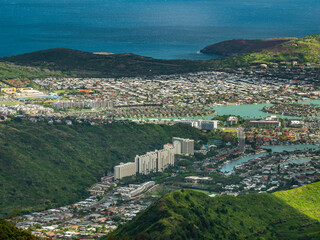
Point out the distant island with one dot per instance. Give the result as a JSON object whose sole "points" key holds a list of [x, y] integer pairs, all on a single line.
{"points": [[236, 46]]}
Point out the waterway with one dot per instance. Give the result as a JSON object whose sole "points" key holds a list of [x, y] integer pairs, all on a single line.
{"points": [[246, 111], [276, 148], [253, 110]]}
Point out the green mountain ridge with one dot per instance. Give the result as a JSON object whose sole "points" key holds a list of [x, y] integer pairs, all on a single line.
{"points": [[43, 165], [85, 64], [188, 214], [74, 63]]}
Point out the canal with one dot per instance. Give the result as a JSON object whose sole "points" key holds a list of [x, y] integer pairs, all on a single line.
{"points": [[276, 148]]}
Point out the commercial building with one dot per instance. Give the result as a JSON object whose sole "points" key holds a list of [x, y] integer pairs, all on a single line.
{"points": [[295, 123], [272, 121], [187, 145], [124, 170], [200, 124], [208, 124], [196, 179], [104, 104], [8, 90], [232, 120]]}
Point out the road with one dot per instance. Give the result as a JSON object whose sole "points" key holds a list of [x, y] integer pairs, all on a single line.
{"points": [[241, 139]]}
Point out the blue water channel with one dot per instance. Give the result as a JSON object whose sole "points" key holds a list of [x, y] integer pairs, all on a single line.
{"points": [[276, 148]]}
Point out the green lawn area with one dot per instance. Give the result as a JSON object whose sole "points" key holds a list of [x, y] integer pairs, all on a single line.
{"points": [[230, 130], [11, 103]]}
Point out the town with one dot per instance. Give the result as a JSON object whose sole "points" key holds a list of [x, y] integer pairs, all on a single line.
{"points": [[241, 155]]}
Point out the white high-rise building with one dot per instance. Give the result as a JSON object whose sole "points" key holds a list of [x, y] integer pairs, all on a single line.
{"points": [[124, 170], [155, 161], [146, 163], [187, 145], [200, 124]]}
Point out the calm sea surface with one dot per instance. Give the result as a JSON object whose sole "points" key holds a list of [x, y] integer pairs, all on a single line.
{"points": [[158, 28]]}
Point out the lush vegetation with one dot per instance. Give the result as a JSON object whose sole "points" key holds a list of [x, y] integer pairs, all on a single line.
{"points": [[74, 63], [43, 165], [304, 50], [12, 74], [85, 64], [305, 199], [232, 47], [188, 214], [9, 231]]}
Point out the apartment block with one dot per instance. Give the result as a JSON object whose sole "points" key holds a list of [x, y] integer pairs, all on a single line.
{"points": [[186, 145], [146, 163], [124, 170]]}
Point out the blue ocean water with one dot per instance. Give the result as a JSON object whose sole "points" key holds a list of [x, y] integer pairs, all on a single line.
{"points": [[167, 29]]}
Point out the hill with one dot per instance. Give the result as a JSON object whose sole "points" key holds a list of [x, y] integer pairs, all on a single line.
{"points": [[232, 47], [43, 165], [303, 50], [9, 231], [189, 214], [74, 63], [85, 64]]}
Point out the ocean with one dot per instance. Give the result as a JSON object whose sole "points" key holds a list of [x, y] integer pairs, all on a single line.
{"points": [[165, 29]]}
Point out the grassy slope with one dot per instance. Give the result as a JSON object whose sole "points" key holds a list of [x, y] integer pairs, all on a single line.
{"points": [[9, 231], [302, 50], [43, 165], [305, 199], [12, 71], [193, 215]]}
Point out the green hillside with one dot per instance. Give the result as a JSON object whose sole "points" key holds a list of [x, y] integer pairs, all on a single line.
{"points": [[237, 46], [67, 62], [9, 231], [44, 165], [9, 71], [303, 50], [85, 64], [189, 214], [305, 199]]}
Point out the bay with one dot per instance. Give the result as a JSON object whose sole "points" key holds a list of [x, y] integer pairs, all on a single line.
{"points": [[167, 29]]}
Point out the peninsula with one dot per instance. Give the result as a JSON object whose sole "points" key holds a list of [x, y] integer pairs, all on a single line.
{"points": [[236, 46]]}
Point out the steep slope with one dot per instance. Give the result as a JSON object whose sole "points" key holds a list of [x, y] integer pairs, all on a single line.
{"points": [[86, 64], [305, 199], [44, 165], [189, 214], [9, 231], [232, 47], [304, 50]]}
